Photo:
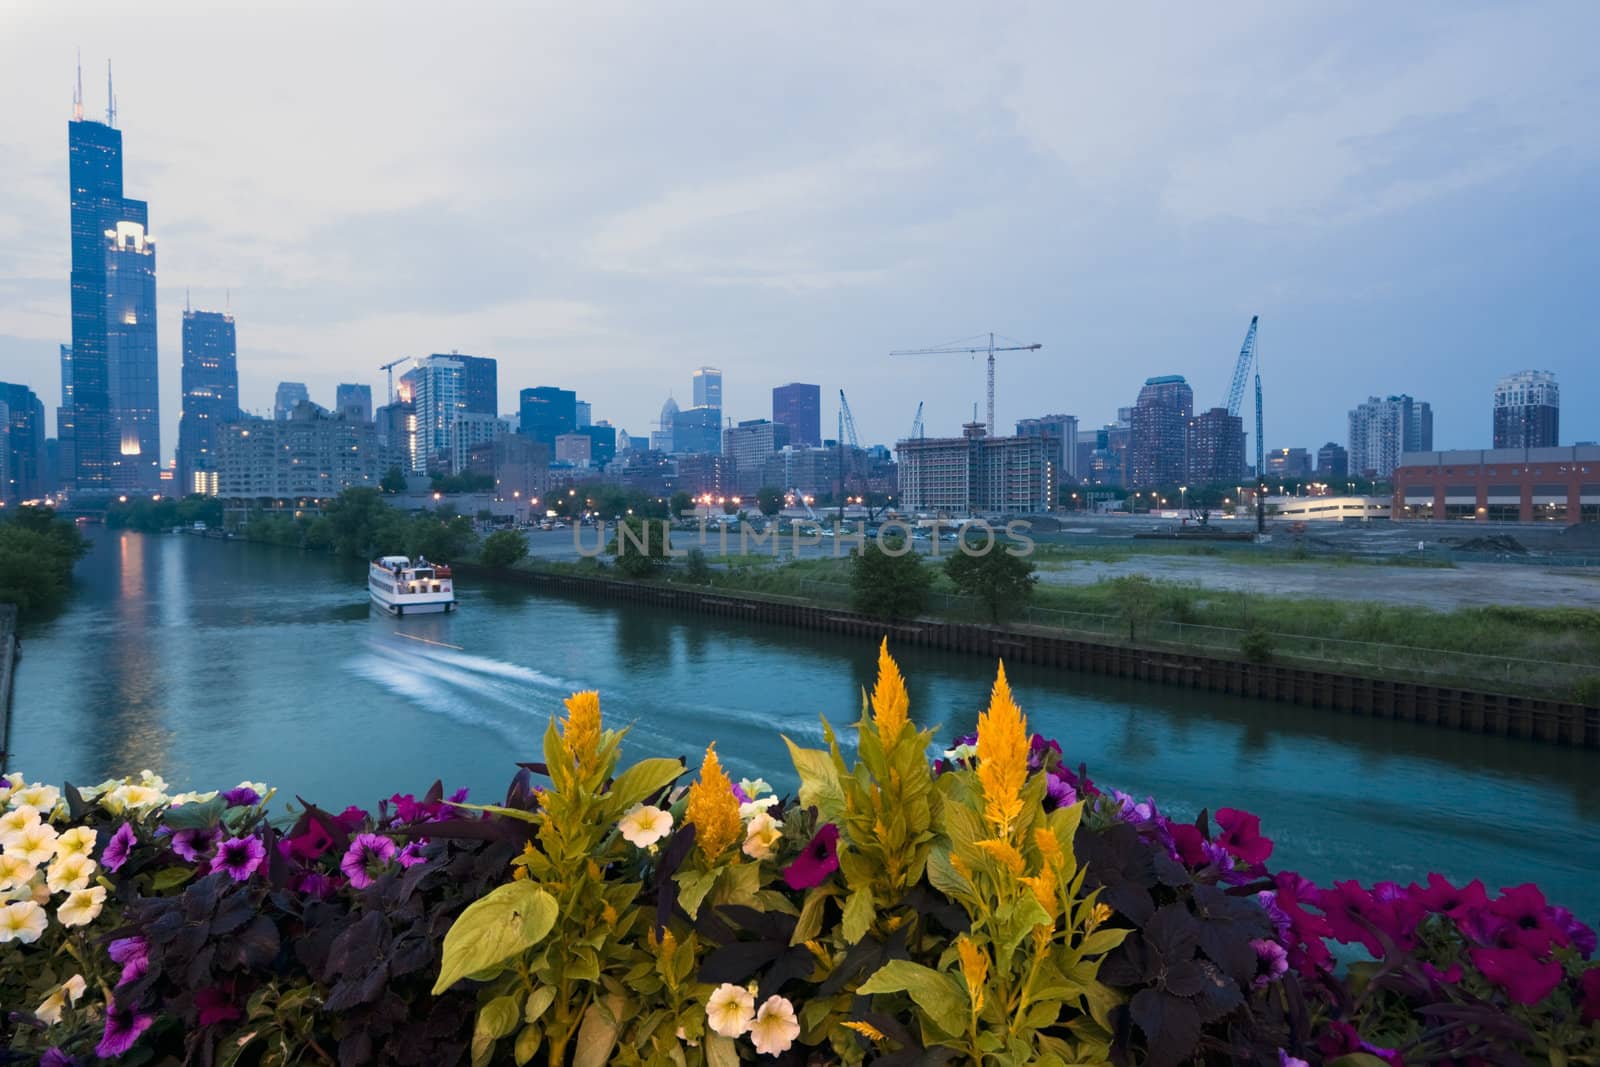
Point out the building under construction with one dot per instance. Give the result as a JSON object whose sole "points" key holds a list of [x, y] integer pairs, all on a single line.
{"points": [[976, 474]]}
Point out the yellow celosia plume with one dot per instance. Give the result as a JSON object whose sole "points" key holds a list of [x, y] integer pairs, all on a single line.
{"points": [[866, 1030], [581, 728], [713, 810], [1002, 757], [890, 704], [974, 968]]}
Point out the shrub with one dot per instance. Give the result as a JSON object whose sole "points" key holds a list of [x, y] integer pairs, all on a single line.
{"points": [[503, 548], [640, 546], [999, 580], [889, 584], [1257, 644], [695, 567]]}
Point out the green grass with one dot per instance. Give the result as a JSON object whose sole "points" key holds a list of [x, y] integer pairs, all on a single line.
{"points": [[1049, 555]]}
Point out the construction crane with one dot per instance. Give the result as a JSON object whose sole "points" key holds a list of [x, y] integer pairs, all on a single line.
{"points": [[847, 425], [1261, 453], [1241, 375], [916, 424], [991, 348], [388, 368], [1241, 369]]}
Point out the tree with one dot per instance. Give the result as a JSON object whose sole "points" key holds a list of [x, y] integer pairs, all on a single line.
{"points": [[1000, 581], [503, 548], [1138, 602], [769, 500], [37, 551], [695, 567], [640, 546], [353, 517], [441, 539], [394, 481], [681, 502], [889, 586]]}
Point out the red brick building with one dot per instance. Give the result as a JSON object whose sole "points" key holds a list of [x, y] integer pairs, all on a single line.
{"points": [[1500, 485]]}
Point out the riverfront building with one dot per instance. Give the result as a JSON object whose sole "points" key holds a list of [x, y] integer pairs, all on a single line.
{"points": [[1500, 485], [1382, 430], [1527, 410], [975, 474], [798, 406], [23, 474], [311, 455], [1159, 436], [210, 396], [1062, 432], [1288, 463]]}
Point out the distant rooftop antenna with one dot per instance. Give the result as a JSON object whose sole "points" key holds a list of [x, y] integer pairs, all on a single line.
{"points": [[77, 96], [111, 98], [186, 307]]}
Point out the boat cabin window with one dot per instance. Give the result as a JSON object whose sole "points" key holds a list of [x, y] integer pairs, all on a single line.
{"points": [[424, 572]]}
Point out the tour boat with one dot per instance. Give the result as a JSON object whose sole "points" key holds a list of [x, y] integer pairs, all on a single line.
{"points": [[401, 586]]}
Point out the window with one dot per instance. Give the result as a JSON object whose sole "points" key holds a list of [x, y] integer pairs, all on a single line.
{"points": [[1504, 513], [1461, 511]]}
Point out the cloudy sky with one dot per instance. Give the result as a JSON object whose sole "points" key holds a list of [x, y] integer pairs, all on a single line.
{"points": [[606, 197]]}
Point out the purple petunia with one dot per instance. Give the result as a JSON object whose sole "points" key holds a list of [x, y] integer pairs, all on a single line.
{"points": [[123, 1027], [241, 797], [134, 955], [316, 884], [366, 858], [195, 844], [412, 855], [1272, 961], [819, 859], [54, 1057], [239, 857], [119, 847]]}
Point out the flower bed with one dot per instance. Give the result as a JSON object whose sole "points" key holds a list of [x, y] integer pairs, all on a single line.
{"points": [[990, 906]]}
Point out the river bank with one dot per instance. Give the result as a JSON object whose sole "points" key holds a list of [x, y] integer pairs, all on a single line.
{"points": [[8, 657]]}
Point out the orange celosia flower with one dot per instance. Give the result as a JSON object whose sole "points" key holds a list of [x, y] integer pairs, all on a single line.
{"points": [[581, 728], [974, 968], [1004, 854], [713, 810], [1002, 757], [890, 704], [866, 1030]]}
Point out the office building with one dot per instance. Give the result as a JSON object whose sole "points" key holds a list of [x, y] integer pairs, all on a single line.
{"points": [[1160, 431], [1333, 462], [66, 460], [1527, 410], [1381, 430], [210, 396], [573, 448], [699, 473], [114, 421], [473, 429], [661, 437], [519, 465], [289, 396], [799, 407], [22, 450], [747, 447], [311, 455], [547, 412], [1288, 463], [976, 474], [1062, 431], [697, 430], [1215, 449], [808, 470], [480, 382], [434, 386], [396, 427], [1560, 485], [584, 414], [602, 443], [708, 388], [353, 400]]}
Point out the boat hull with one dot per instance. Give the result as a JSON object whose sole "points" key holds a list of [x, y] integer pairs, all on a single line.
{"points": [[389, 607]]}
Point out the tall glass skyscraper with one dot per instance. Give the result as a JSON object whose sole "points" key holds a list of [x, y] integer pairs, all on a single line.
{"points": [[115, 416], [708, 388], [210, 396]]}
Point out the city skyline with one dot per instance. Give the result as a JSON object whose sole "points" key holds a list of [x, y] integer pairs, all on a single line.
{"points": [[1078, 226]]}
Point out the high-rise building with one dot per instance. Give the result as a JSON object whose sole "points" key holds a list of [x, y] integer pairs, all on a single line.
{"points": [[1381, 430], [434, 386], [976, 474], [113, 291], [22, 444], [1527, 410], [1288, 463], [799, 407], [311, 455], [1215, 448], [289, 396], [584, 414], [573, 448], [396, 426], [66, 459], [697, 429], [747, 446], [480, 382], [1160, 431], [1333, 462], [547, 412], [473, 429], [708, 388], [1062, 430], [353, 400], [520, 466], [602, 442], [661, 436], [210, 396]]}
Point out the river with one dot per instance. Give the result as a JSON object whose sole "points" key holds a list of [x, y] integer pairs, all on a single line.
{"points": [[214, 662]]}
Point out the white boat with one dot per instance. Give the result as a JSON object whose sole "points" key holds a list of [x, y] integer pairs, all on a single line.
{"points": [[403, 587]]}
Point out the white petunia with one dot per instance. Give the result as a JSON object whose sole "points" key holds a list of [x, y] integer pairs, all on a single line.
{"points": [[731, 1010], [9, 784], [754, 787], [23, 921], [42, 797], [180, 799], [775, 1027], [762, 837], [961, 753], [36, 844], [758, 806], [133, 798], [15, 871], [15, 821], [68, 991], [82, 906], [645, 825], [154, 781], [70, 872], [78, 841]]}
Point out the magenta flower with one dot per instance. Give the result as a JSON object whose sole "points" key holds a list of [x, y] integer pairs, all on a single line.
{"points": [[1443, 898], [1526, 921], [1581, 936], [819, 859], [119, 848], [134, 955], [1525, 979], [1189, 845], [1449, 976], [366, 858], [123, 1027], [1272, 961], [1241, 835], [215, 1006], [196, 844], [54, 1057], [1058, 792], [412, 855], [238, 857], [351, 818], [241, 797], [1589, 995], [316, 884], [1286, 1060], [309, 845]]}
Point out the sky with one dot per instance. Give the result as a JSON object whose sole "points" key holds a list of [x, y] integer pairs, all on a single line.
{"points": [[605, 197]]}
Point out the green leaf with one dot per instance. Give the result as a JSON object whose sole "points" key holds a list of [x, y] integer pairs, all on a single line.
{"points": [[1357, 1059], [945, 878], [858, 915], [496, 1019], [527, 1044], [809, 924], [494, 928], [1102, 941], [170, 878], [641, 780], [721, 1051], [597, 1034], [195, 816], [819, 781], [943, 1000], [510, 813], [692, 889], [538, 1001]]}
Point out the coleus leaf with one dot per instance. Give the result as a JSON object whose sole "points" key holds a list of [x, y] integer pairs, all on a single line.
{"points": [[1171, 1026]]}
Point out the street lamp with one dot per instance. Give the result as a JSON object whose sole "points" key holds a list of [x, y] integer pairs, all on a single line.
{"points": [[1183, 499]]}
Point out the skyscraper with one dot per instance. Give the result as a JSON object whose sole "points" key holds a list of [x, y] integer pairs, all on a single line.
{"points": [[66, 461], [434, 386], [661, 437], [547, 411], [1215, 448], [697, 430], [1333, 462], [1062, 431], [1382, 430], [1527, 410], [113, 259], [210, 396], [480, 383], [1160, 430], [708, 388], [799, 407], [22, 436], [353, 400], [289, 396]]}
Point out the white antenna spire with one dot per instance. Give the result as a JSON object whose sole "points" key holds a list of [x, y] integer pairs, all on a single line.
{"points": [[111, 98], [77, 96]]}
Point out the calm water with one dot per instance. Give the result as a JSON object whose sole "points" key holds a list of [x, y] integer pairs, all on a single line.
{"points": [[213, 662]]}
